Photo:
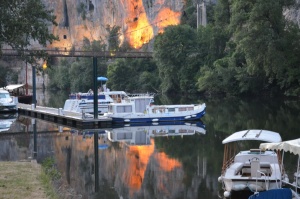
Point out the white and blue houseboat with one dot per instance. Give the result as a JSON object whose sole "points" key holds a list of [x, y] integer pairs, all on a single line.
{"points": [[141, 109]]}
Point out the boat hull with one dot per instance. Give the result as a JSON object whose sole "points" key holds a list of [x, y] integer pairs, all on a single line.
{"points": [[250, 184], [149, 118]]}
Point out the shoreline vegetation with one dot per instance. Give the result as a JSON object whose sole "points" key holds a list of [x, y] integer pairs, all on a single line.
{"points": [[26, 180]]}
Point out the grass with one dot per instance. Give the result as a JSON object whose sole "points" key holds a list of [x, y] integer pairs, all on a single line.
{"points": [[25, 180]]}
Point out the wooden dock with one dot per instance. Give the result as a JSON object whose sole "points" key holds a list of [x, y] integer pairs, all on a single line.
{"points": [[57, 115]]}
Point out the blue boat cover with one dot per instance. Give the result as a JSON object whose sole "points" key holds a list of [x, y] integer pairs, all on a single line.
{"points": [[284, 193]]}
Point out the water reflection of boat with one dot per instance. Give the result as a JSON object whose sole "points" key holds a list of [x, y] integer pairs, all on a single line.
{"points": [[140, 134], [6, 120], [253, 169]]}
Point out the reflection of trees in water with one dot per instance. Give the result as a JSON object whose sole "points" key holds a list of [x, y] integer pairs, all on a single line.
{"points": [[223, 117]]}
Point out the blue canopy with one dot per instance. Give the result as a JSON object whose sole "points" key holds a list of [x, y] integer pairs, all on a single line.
{"points": [[102, 79], [102, 146]]}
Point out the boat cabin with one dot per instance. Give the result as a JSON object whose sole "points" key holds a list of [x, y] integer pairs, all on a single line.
{"points": [[135, 104]]}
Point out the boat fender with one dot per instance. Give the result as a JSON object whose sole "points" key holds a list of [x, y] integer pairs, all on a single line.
{"points": [[187, 117], [255, 187], [226, 194], [220, 179], [154, 120], [127, 120], [194, 115], [239, 187]]}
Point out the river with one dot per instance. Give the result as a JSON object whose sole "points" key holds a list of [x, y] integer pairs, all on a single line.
{"points": [[141, 163]]}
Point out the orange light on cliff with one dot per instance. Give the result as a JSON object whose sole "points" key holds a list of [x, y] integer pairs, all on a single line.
{"points": [[139, 30], [45, 65], [167, 17]]}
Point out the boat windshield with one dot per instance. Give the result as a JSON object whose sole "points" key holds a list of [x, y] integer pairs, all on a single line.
{"points": [[4, 95]]}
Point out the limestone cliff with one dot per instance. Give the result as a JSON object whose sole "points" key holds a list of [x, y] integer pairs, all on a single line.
{"points": [[140, 20]]}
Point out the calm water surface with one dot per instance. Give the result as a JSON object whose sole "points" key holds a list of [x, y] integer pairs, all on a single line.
{"points": [[142, 162]]}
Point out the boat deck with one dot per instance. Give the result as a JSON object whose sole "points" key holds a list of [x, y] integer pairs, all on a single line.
{"points": [[57, 115]]}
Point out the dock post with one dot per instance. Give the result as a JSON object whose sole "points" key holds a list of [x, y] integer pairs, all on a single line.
{"points": [[95, 88], [32, 106], [33, 86], [60, 111], [33, 122], [96, 148]]}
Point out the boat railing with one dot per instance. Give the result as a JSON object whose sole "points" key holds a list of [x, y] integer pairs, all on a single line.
{"points": [[227, 164], [141, 94], [266, 179]]}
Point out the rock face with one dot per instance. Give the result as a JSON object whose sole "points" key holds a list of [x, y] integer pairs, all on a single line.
{"points": [[139, 20], [293, 14]]}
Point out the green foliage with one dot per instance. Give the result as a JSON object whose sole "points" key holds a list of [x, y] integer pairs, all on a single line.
{"points": [[81, 9], [113, 37], [25, 21], [171, 53], [133, 75], [258, 55], [75, 74], [7, 75], [49, 168]]}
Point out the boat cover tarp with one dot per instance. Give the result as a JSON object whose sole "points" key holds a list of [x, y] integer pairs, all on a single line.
{"points": [[12, 87], [292, 146], [284, 193], [254, 134]]}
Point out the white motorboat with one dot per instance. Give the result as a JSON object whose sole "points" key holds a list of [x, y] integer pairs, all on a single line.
{"points": [[255, 170], [20, 91], [140, 109], [7, 102], [84, 102], [141, 134]]}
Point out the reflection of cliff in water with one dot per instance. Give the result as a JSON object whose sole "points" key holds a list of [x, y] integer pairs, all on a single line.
{"points": [[127, 171]]}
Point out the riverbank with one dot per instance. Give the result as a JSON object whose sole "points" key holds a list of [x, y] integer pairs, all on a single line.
{"points": [[22, 179]]}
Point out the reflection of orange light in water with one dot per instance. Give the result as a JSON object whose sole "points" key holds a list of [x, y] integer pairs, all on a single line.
{"points": [[139, 30], [167, 17], [166, 163], [138, 160]]}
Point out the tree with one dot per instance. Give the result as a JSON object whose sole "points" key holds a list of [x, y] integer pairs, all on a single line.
{"points": [[76, 75], [133, 75], [172, 50], [113, 37], [24, 21]]}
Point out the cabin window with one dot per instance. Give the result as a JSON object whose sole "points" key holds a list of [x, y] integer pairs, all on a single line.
{"points": [[182, 109], [124, 136], [171, 109], [190, 108], [124, 109], [4, 95]]}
